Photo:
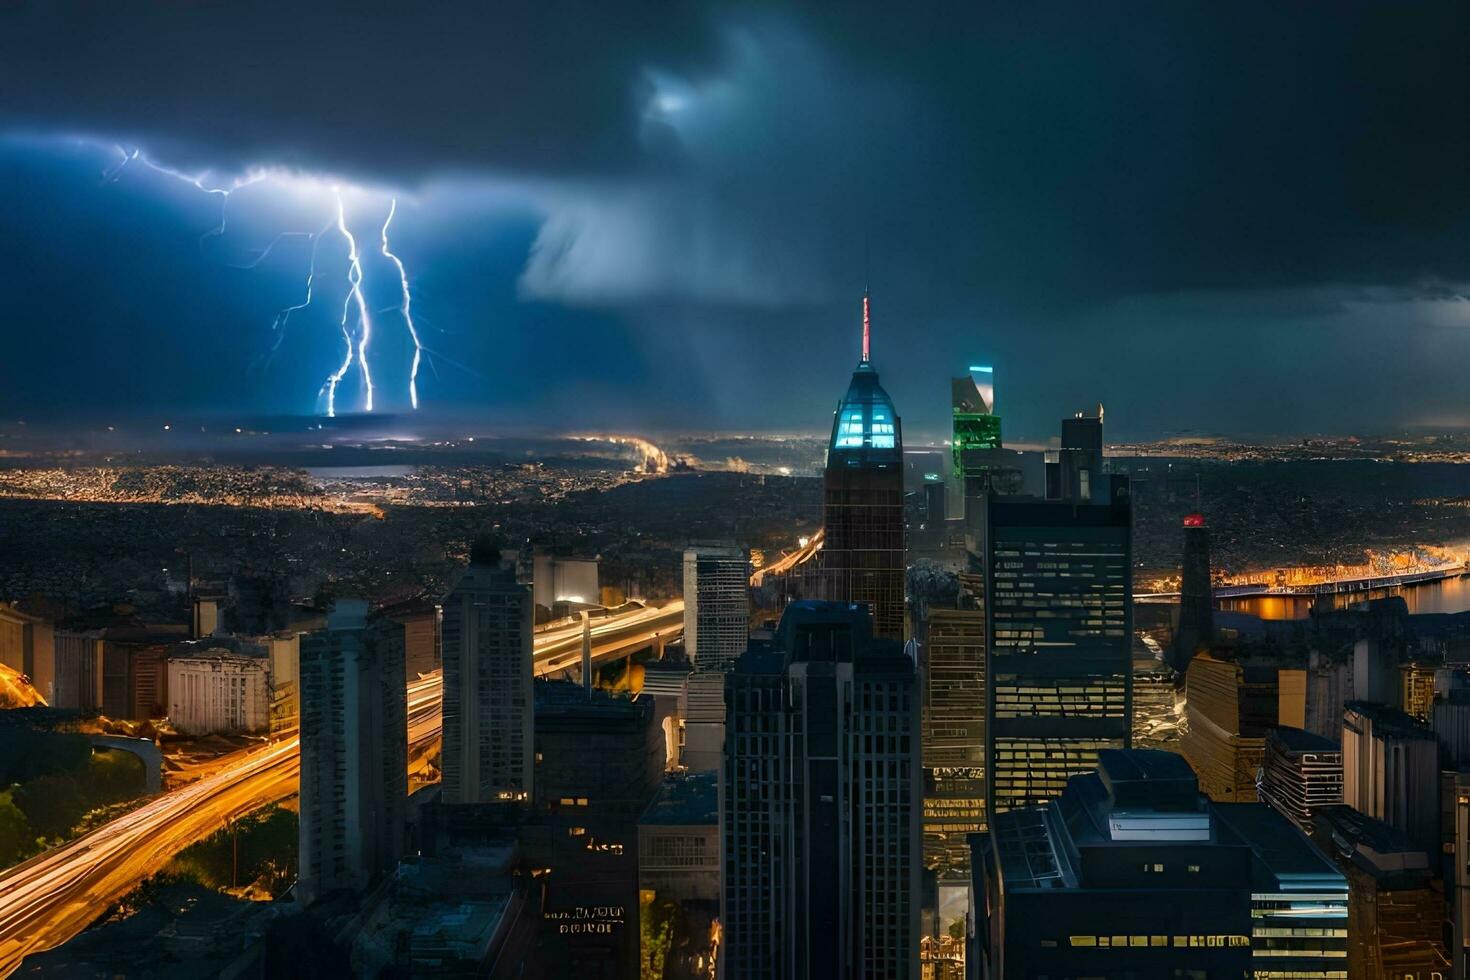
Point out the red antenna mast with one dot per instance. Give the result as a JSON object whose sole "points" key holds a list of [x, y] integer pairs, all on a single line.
{"points": [[867, 326]]}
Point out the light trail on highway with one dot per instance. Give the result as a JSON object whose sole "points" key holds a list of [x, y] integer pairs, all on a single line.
{"points": [[52, 897]]}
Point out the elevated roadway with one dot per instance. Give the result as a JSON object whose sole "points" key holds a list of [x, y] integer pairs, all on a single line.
{"points": [[49, 899]]}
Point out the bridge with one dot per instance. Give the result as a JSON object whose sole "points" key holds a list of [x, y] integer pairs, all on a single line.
{"points": [[144, 748], [50, 898]]}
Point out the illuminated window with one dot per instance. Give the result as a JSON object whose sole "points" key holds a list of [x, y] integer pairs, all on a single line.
{"points": [[576, 831]]}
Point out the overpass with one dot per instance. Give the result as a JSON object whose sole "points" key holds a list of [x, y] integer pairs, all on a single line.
{"points": [[50, 898], [144, 748]]}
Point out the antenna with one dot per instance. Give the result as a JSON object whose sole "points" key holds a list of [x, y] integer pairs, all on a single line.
{"points": [[867, 327]]}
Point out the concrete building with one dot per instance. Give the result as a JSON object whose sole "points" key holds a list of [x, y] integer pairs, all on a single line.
{"points": [[863, 521], [702, 709], [420, 620], [1391, 771], [354, 752], [1395, 912], [78, 685], [679, 840], [716, 606], [820, 802], [1300, 774], [1060, 632], [488, 754], [1450, 720], [219, 692], [557, 579], [283, 651], [27, 647], [1231, 706], [135, 671]]}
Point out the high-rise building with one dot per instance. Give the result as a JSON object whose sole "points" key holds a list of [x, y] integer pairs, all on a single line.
{"points": [[1231, 706], [1059, 627], [862, 513], [1455, 831], [819, 802], [975, 428], [1390, 769], [716, 606], [1196, 595], [488, 702], [1301, 773], [953, 736], [1077, 472], [354, 751]]}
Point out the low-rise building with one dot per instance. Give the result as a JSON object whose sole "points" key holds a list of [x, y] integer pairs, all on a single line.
{"points": [[219, 692], [679, 839], [1301, 772]]}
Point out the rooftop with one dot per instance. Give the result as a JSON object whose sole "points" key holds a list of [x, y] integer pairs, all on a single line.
{"points": [[685, 800]]}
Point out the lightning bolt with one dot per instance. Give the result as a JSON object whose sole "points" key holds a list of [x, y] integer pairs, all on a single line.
{"points": [[364, 321], [356, 334], [405, 308]]}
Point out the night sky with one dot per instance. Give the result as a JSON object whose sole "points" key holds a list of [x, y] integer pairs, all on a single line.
{"points": [[1226, 218]]}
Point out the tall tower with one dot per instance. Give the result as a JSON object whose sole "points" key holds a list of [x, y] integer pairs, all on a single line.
{"points": [[862, 510], [488, 702], [354, 751], [819, 803], [1196, 598]]}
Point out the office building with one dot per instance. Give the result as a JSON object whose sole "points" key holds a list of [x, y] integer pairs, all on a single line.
{"points": [[1455, 863], [283, 651], [219, 692], [1196, 628], [1300, 773], [1300, 900], [1450, 720], [1416, 691], [819, 803], [488, 702], [78, 684], [1231, 706], [1076, 470], [354, 752], [1059, 627], [419, 617], [599, 762], [559, 579], [1158, 708], [135, 671], [862, 557], [1391, 771], [953, 736], [702, 708], [679, 840], [1396, 912], [1130, 872], [716, 606]]}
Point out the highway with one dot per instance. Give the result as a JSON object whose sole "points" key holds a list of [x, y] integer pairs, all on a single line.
{"points": [[49, 899]]}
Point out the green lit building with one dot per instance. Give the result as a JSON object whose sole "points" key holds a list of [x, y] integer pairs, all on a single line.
{"points": [[975, 424]]}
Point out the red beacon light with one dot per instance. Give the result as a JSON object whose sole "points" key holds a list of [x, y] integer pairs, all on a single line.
{"points": [[1194, 520]]}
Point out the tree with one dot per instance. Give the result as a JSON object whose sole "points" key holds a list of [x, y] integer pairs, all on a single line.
{"points": [[16, 836]]}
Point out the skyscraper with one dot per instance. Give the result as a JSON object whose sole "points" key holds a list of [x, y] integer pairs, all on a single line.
{"points": [[974, 424], [1196, 596], [716, 606], [1059, 626], [954, 735], [819, 802], [862, 512], [354, 751], [488, 702]]}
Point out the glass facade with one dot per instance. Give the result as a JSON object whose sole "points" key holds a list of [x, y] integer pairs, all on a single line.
{"points": [[1060, 627]]}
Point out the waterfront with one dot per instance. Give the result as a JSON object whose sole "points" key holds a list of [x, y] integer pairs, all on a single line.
{"points": [[1446, 595]]}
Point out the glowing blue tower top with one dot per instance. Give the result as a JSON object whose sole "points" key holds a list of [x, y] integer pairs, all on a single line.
{"points": [[865, 428]]}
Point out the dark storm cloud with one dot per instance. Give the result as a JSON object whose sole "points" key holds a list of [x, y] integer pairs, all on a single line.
{"points": [[1047, 183], [1030, 152]]}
